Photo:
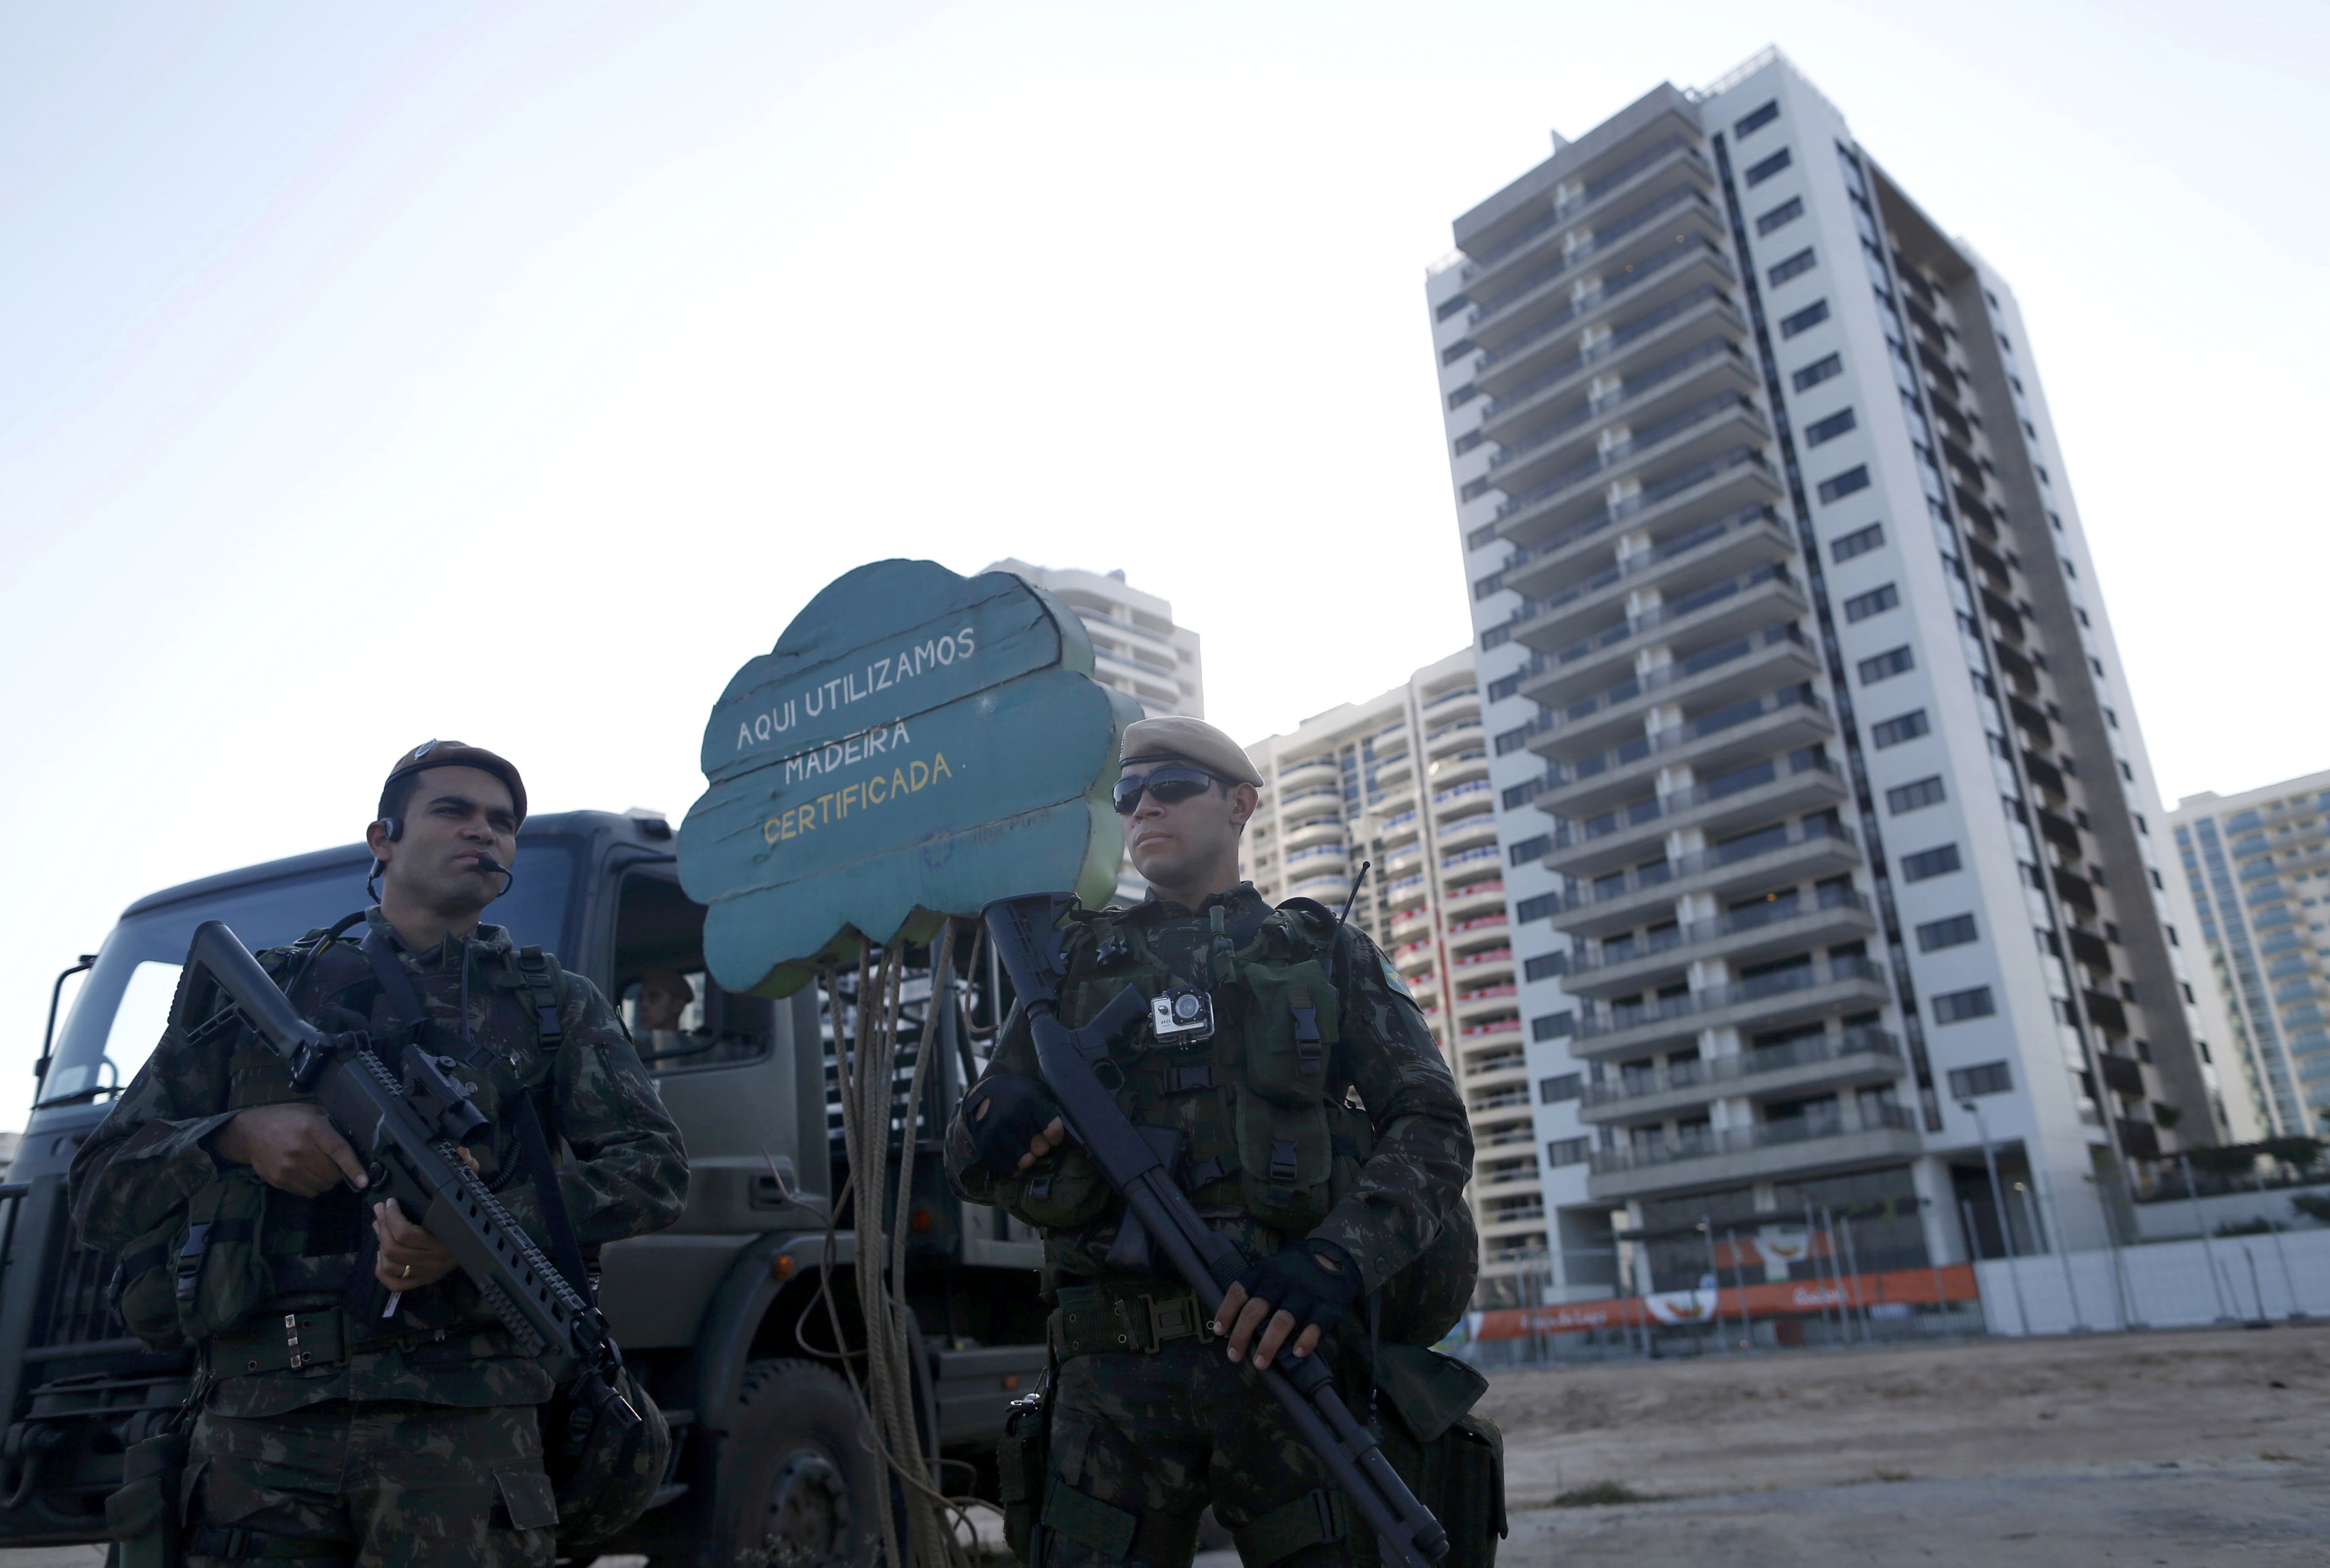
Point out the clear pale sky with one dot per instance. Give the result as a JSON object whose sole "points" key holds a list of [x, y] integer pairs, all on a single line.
{"points": [[514, 372]]}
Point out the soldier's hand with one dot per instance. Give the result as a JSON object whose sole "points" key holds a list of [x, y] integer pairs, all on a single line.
{"points": [[1013, 1121], [293, 1147], [1311, 1285], [410, 1257]]}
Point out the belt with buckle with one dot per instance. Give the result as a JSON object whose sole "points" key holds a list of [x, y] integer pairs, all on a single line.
{"points": [[1094, 1318]]}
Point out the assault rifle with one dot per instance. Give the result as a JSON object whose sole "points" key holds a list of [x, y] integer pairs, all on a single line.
{"points": [[407, 1127], [1075, 1068]]}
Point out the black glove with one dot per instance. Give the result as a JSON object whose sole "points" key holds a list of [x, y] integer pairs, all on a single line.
{"points": [[1004, 1113], [1313, 1281]]}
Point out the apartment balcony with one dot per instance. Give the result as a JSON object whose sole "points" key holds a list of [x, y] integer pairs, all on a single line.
{"points": [[1482, 1000], [1669, 161], [1707, 743], [1313, 861], [1629, 238], [1497, 1066], [1741, 936], [1329, 889], [1860, 1058], [1398, 865], [1643, 340], [1414, 960], [1451, 738], [1466, 831], [1447, 702], [1459, 795], [1406, 924], [1463, 863], [1687, 622], [1410, 889], [1585, 604], [1473, 905], [1656, 455], [1621, 901], [1713, 677], [1313, 831], [1778, 786], [1538, 453], [1801, 994], [1509, 1099], [1306, 770], [1311, 795], [1851, 1136], [1405, 824], [1522, 343], [1463, 767], [1395, 770]]}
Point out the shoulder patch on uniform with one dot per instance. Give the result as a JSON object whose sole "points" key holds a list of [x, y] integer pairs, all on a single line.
{"points": [[1392, 975]]}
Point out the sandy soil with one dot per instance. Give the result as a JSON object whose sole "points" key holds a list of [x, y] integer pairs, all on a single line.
{"points": [[1985, 1408]]}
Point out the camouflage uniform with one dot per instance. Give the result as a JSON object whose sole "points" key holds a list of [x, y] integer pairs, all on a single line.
{"points": [[1143, 1437], [410, 1438]]}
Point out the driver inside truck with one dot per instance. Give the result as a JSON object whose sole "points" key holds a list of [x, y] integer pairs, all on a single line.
{"points": [[660, 1010]]}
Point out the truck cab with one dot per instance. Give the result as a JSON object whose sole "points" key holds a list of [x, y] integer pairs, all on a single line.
{"points": [[738, 1317]]}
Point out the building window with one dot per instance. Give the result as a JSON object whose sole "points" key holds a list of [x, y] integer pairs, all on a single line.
{"points": [[1859, 542], [1531, 850], [1893, 731], [1829, 429], [1545, 966], [1553, 1026], [1876, 601], [1554, 1090], [1911, 797], [1844, 484], [1794, 267], [1567, 1152], [1926, 863], [1956, 1006], [1970, 1082], [1758, 173], [1818, 371], [1537, 908], [1756, 119], [1885, 666], [1787, 212], [1811, 316], [1955, 932]]}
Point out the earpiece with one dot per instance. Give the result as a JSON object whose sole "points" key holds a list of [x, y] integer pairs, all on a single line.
{"points": [[396, 826]]}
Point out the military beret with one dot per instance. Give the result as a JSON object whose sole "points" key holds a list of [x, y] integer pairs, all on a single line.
{"points": [[453, 754], [1188, 741]]}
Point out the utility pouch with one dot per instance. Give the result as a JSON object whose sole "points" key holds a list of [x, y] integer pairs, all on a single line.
{"points": [[1062, 1191], [1022, 1461], [1453, 1460], [1286, 1161], [1292, 1029], [141, 1518]]}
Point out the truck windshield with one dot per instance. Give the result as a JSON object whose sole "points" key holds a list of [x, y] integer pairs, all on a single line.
{"points": [[117, 1016]]}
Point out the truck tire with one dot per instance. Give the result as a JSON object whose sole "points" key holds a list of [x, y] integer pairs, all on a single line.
{"points": [[799, 1482]]}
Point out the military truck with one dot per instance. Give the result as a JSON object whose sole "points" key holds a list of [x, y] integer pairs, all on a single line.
{"points": [[721, 1315]]}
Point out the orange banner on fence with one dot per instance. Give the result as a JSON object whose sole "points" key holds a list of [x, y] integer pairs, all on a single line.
{"points": [[1789, 1298]]}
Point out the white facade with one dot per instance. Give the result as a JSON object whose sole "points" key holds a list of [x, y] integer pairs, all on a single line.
{"points": [[2256, 869], [1137, 648], [1829, 814], [1400, 783]]}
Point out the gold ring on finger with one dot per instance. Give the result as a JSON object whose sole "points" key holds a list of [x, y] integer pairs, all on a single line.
{"points": [[408, 1272]]}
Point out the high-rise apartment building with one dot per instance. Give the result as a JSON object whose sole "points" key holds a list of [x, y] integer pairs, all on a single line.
{"points": [[1137, 648], [2257, 868], [1836, 851], [1401, 782]]}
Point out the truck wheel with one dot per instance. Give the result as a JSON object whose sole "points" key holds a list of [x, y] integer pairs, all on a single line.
{"points": [[799, 1484]]}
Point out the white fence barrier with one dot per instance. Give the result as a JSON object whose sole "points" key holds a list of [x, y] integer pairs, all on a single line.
{"points": [[2164, 1285]]}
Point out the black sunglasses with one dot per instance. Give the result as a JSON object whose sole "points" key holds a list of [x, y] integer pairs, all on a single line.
{"points": [[1171, 781]]}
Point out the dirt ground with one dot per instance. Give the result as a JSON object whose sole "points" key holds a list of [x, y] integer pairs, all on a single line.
{"points": [[2191, 1448]]}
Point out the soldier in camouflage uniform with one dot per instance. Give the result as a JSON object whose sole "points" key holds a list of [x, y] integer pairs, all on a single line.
{"points": [[358, 1403], [1318, 1127]]}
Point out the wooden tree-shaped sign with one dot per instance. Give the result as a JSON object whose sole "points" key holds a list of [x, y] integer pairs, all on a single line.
{"points": [[917, 744]]}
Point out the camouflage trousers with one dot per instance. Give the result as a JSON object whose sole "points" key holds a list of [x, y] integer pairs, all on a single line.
{"points": [[1141, 1442], [374, 1484]]}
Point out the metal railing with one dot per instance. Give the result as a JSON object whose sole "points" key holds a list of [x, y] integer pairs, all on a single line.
{"points": [[1667, 1148], [1657, 264], [1856, 1042], [1660, 873], [1596, 1021], [1569, 834], [1636, 388], [1559, 774], [1585, 957], [1618, 452], [1594, 191], [1606, 239]]}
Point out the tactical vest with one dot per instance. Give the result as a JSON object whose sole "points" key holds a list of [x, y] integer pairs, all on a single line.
{"points": [[240, 1245], [1259, 1112]]}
